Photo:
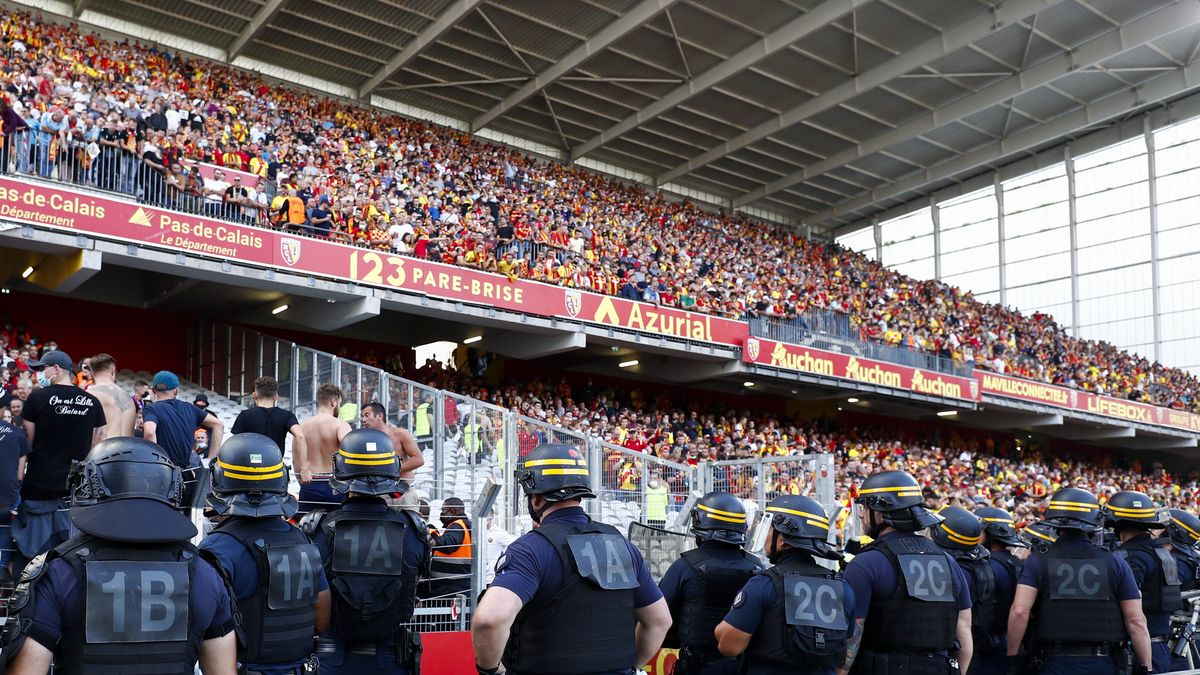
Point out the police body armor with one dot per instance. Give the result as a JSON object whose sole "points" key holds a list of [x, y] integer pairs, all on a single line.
{"points": [[589, 623], [720, 581], [983, 598], [1004, 596], [1190, 580], [136, 608], [921, 614], [1161, 592], [807, 626], [1075, 603], [278, 620], [373, 592]]}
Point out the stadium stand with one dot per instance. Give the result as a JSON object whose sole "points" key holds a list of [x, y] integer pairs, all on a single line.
{"points": [[159, 126]]}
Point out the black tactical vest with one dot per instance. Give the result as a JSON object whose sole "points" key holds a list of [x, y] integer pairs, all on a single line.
{"points": [[921, 613], [278, 620], [983, 598], [373, 590], [1005, 593], [807, 626], [1189, 577], [1076, 601], [720, 581], [1161, 590], [136, 609], [588, 625]]}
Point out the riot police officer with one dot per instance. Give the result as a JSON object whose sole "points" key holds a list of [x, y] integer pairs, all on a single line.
{"points": [[372, 555], [999, 537], [961, 535], [274, 569], [572, 596], [1085, 598], [912, 602], [129, 593], [1183, 531], [700, 586], [1133, 516], [793, 619]]}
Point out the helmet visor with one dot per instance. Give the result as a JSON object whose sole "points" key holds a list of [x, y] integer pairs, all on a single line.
{"points": [[125, 478]]}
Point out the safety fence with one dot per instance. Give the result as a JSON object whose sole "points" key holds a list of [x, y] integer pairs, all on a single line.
{"points": [[469, 445]]}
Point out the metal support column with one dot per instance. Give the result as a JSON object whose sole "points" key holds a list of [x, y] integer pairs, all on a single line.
{"points": [[1155, 279], [935, 214], [998, 187], [877, 233], [438, 428], [1069, 163]]}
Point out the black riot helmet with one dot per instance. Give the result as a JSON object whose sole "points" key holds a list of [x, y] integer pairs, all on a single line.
{"points": [[999, 526], [128, 489], [960, 530], [897, 496], [556, 472], [1129, 508], [249, 479], [802, 523], [1183, 529], [1039, 535], [719, 516], [366, 463], [1074, 509]]}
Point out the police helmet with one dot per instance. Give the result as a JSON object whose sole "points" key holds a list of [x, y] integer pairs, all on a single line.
{"points": [[1075, 509], [1183, 529], [960, 530], [999, 526], [719, 516], [556, 472], [1129, 508], [898, 497], [802, 523], [1039, 535], [249, 479], [366, 463], [128, 489]]}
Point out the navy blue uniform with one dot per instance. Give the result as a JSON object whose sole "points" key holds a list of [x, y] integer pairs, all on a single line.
{"points": [[532, 569], [754, 601], [681, 583], [1188, 564], [870, 573], [1143, 565], [990, 660], [1123, 587], [239, 565]]}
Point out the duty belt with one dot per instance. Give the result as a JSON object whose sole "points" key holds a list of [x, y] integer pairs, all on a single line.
{"points": [[357, 648], [1077, 649]]}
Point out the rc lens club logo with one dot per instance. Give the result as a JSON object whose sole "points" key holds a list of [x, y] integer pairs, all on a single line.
{"points": [[574, 302], [752, 348], [289, 249]]}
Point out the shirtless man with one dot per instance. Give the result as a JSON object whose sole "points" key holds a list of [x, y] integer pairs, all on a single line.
{"points": [[323, 433], [119, 409], [374, 416]]}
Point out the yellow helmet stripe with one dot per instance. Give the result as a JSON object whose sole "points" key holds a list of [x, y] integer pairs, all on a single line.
{"points": [[249, 469], [1186, 528], [961, 539], [997, 520], [371, 462], [738, 521], [805, 514], [1081, 505], [1070, 508], [814, 523], [252, 476], [1121, 511], [362, 455], [564, 472], [1039, 535], [898, 488], [718, 512], [555, 462]]}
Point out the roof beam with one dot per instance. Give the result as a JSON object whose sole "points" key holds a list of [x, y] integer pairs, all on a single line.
{"points": [[1099, 112], [772, 43], [640, 14], [252, 29], [445, 21], [1151, 27], [78, 6], [973, 30]]}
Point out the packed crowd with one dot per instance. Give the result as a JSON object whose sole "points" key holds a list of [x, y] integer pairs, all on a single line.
{"points": [[138, 119]]}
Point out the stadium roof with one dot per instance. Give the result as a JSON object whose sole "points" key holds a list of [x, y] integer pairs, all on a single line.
{"points": [[802, 111]]}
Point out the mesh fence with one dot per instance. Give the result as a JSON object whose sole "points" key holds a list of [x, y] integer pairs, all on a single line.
{"points": [[659, 547]]}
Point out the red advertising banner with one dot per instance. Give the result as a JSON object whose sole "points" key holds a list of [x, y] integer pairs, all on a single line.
{"points": [[831, 364], [1082, 401], [109, 218]]}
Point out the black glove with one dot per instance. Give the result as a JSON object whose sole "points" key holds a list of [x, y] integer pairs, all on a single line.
{"points": [[1014, 665], [480, 670]]}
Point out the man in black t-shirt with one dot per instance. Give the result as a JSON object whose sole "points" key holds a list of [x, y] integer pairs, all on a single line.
{"points": [[265, 418], [62, 423], [13, 446]]}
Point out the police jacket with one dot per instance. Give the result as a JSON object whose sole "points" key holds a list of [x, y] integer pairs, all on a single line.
{"points": [[718, 571], [921, 613], [278, 620], [807, 626], [1077, 597], [1005, 590], [1161, 585], [588, 625], [366, 547], [978, 570], [1188, 564]]}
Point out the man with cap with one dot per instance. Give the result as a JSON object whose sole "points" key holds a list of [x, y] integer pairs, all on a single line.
{"points": [[129, 593], [573, 596], [912, 602], [797, 617], [62, 423], [999, 536], [274, 569], [700, 586], [172, 423], [1133, 516], [1085, 599], [961, 535], [372, 555]]}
